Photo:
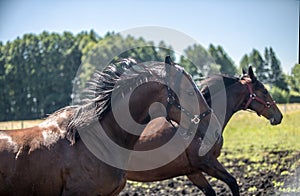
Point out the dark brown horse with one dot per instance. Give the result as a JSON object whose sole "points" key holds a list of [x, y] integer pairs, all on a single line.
{"points": [[67, 155], [241, 93]]}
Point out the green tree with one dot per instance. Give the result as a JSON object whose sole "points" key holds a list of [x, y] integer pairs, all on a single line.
{"points": [[4, 99], [256, 60], [86, 42], [276, 76], [221, 58], [61, 59], [244, 63], [111, 48], [295, 78], [164, 50], [38, 73], [15, 78], [197, 61]]}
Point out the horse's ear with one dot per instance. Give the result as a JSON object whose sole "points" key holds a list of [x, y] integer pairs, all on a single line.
{"points": [[168, 60], [244, 71], [251, 74]]}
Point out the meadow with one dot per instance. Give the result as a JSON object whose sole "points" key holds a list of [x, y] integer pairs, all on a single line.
{"points": [[265, 159], [268, 156]]}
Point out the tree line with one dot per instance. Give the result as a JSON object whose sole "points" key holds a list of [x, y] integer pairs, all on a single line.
{"points": [[38, 72]]}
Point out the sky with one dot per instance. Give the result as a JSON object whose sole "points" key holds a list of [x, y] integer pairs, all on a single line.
{"points": [[238, 26]]}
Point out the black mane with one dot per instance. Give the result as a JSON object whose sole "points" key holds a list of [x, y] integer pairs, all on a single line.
{"points": [[101, 86]]}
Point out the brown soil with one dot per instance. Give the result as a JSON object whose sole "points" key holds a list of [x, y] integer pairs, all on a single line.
{"points": [[274, 175]]}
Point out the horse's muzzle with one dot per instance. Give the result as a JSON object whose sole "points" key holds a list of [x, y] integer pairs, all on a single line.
{"points": [[276, 120]]}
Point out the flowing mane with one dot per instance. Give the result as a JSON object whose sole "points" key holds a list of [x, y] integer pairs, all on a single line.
{"points": [[104, 83]]}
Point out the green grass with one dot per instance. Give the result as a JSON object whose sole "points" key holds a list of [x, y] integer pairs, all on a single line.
{"points": [[248, 136], [247, 130], [252, 138]]}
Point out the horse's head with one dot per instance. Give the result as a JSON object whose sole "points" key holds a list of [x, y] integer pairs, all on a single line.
{"points": [[259, 99], [184, 95]]}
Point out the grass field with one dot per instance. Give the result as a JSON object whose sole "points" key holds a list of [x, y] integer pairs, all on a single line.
{"points": [[246, 129], [260, 148], [252, 149], [18, 124]]}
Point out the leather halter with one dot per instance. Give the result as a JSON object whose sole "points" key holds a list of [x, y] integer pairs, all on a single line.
{"points": [[195, 119], [253, 97]]}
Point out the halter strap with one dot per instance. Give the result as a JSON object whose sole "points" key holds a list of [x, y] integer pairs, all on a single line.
{"points": [[171, 100], [253, 97], [195, 119]]}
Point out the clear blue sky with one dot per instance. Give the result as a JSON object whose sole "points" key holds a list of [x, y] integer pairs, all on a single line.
{"points": [[237, 25]]}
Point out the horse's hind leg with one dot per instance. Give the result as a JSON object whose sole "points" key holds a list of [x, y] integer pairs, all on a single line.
{"points": [[215, 169], [200, 181]]}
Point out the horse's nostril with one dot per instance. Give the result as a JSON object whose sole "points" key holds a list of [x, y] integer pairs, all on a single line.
{"points": [[275, 121]]}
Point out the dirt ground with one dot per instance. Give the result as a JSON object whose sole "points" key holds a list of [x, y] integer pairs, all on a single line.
{"points": [[277, 174]]}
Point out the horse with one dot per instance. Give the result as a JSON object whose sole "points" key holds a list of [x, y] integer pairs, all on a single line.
{"points": [[241, 93], [56, 157]]}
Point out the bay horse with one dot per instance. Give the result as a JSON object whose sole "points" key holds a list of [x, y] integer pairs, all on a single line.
{"points": [[242, 93], [52, 158]]}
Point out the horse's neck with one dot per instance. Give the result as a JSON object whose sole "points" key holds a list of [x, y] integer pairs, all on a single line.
{"points": [[118, 130], [128, 117], [234, 104], [143, 101]]}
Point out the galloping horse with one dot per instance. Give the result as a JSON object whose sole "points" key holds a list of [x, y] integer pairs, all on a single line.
{"points": [[53, 159], [242, 93]]}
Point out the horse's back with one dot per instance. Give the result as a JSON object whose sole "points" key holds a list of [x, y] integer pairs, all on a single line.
{"points": [[41, 160], [60, 169], [24, 173]]}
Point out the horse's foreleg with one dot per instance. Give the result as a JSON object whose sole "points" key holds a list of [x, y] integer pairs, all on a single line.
{"points": [[200, 181], [215, 169], [119, 188]]}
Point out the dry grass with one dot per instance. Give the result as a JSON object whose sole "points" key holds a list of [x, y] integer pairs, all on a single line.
{"points": [[18, 124]]}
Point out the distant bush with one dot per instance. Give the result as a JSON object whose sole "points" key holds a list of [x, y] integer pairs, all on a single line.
{"points": [[279, 95], [294, 97]]}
